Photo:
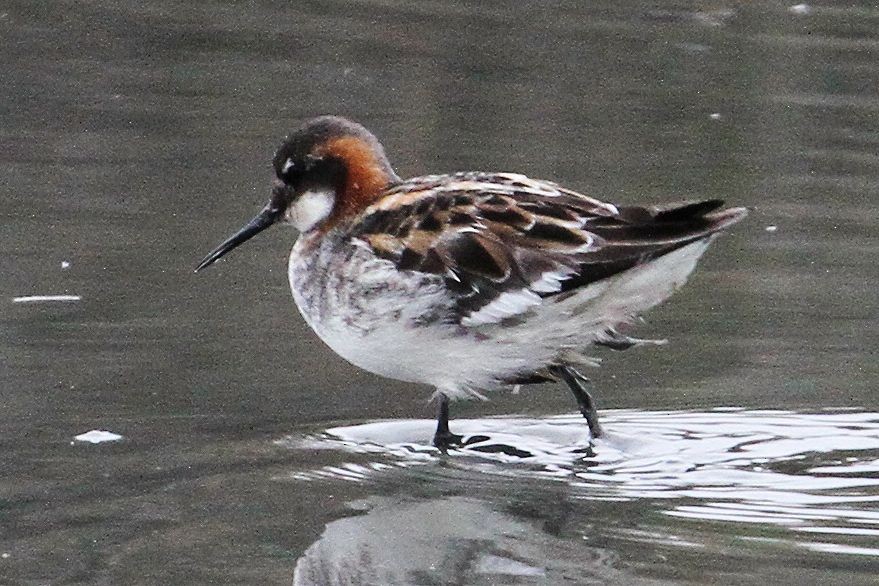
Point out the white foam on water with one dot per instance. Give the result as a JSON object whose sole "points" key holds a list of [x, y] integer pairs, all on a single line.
{"points": [[98, 436], [46, 298]]}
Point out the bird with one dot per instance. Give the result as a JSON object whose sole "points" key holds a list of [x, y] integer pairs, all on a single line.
{"points": [[468, 282]]}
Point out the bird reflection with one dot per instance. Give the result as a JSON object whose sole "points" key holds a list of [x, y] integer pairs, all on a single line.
{"points": [[450, 540]]}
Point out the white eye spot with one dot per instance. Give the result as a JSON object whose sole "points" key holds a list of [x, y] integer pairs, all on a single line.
{"points": [[287, 164], [311, 208]]}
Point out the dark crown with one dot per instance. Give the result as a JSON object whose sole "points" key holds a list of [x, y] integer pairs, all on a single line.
{"points": [[300, 146]]}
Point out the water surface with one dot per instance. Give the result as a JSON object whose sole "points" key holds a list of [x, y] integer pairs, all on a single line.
{"points": [[135, 137]]}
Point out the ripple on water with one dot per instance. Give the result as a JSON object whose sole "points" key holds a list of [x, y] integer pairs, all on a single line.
{"points": [[813, 473]]}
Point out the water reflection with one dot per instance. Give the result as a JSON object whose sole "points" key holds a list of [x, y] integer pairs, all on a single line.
{"points": [[447, 540], [812, 475]]}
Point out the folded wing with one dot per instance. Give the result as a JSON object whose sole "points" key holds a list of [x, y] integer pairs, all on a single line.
{"points": [[505, 243]]}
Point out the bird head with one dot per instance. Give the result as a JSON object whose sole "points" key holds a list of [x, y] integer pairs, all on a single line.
{"points": [[326, 172]]}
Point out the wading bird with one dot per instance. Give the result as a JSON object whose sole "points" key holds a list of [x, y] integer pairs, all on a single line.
{"points": [[472, 281]]}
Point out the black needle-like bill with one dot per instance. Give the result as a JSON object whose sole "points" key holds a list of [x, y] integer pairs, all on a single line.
{"points": [[266, 218]]}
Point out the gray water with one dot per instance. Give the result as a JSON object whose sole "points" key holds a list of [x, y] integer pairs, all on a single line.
{"points": [[136, 136]]}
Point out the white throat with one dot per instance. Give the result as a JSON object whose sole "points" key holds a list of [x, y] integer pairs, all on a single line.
{"points": [[310, 209]]}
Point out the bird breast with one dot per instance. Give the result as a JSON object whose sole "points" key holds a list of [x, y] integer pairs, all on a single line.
{"points": [[365, 309]]}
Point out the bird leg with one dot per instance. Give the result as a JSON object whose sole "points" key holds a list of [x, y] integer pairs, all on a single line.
{"points": [[578, 385], [443, 438]]}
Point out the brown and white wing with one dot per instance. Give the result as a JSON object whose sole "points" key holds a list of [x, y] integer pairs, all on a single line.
{"points": [[504, 243]]}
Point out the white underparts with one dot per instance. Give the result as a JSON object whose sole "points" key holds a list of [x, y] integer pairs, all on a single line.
{"points": [[390, 322], [310, 208]]}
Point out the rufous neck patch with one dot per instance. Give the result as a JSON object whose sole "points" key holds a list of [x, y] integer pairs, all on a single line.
{"points": [[367, 176]]}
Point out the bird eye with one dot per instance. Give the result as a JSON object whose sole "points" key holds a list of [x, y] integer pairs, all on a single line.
{"points": [[311, 161]]}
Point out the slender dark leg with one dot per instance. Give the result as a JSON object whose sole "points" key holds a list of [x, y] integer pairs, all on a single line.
{"points": [[443, 438], [577, 383]]}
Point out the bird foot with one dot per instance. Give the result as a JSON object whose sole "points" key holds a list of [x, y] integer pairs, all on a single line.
{"points": [[445, 440]]}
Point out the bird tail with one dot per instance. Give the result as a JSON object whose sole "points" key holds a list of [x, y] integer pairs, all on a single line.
{"points": [[700, 212]]}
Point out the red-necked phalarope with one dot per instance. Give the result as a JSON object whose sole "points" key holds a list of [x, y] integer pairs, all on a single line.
{"points": [[470, 281]]}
